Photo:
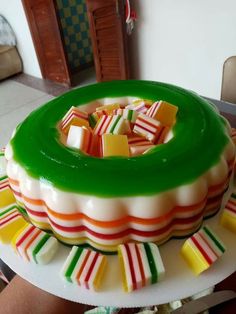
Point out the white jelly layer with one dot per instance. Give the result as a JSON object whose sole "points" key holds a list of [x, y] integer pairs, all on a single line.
{"points": [[108, 209]]}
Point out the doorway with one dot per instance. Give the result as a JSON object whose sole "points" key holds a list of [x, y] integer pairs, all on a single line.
{"points": [[73, 21]]}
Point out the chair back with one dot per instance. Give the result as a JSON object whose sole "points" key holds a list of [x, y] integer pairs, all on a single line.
{"points": [[228, 88]]}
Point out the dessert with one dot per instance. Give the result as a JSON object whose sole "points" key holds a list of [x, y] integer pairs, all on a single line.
{"points": [[141, 265], [107, 201], [84, 267], [202, 249], [74, 117], [114, 145], [10, 222], [34, 245], [228, 217], [6, 196], [233, 135]]}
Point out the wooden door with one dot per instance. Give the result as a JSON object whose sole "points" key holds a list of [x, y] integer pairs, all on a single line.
{"points": [[109, 39], [45, 31]]}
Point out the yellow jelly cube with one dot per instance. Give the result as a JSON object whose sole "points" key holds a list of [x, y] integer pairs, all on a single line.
{"points": [[166, 113], [137, 102], [228, 220], [193, 258], [6, 198], [115, 145], [108, 108], [77, 122], [202, 249], [10, 222]]}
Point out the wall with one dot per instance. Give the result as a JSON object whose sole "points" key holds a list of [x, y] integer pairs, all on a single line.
{"points": [[184, 42], [13, 11], [75, 27]]}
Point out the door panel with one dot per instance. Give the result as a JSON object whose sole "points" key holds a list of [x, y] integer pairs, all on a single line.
{"points": [[109, 39], [44, 27]]}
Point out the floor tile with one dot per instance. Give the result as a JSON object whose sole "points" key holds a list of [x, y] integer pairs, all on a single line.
{"points": [[15, 95], [82, 78], [9, 121], [45, 86]]}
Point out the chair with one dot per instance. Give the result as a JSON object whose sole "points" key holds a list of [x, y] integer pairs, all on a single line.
{"points": [[228, 88], [10, 61]]}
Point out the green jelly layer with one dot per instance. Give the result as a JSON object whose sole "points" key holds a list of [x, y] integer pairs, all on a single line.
{"points": [[199, 140]]}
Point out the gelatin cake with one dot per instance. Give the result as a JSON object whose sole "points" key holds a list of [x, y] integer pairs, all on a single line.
{"points": [[146, 197]]}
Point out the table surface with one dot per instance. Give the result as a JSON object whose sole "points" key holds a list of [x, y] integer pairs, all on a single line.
{"points": [[228, 110]]}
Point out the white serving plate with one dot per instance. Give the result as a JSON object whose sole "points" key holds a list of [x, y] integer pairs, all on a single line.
{"points": [[178, 283]]}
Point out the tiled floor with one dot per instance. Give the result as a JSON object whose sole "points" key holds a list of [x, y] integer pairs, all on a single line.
{"points": [[17, 101], [81, 78], [22, 94]]}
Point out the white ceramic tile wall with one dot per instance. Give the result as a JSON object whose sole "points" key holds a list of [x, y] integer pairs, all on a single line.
{"points": [[16, 102]]}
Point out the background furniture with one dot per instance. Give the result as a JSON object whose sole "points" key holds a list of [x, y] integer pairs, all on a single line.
{"points": [[228, 88], [10, 61]]}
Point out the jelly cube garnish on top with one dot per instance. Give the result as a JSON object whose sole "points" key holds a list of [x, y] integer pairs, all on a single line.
{"points": [[107, 109], [114, 145], [148, 127], [80, 138], [163, 112], [74, 117]]}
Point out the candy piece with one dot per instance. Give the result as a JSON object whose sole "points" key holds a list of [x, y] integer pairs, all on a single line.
{"points": [[141, 265], [147, 102], [233, 135], [130, 115], [6, 196], [202, 249], [80, 138], [95, 149], [138, 150], [140, 108], [148, 127], [94, 117], [3, 165], [4, 183], [117, 125], [74, 117], [84, 267], [127, 114], [228, 217], [110, 124], [140, 105], [114, 145], [34, 245], [108, 109], [118, 111], [138, 141], [10, 222], [102, 124], [163, 112]]}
